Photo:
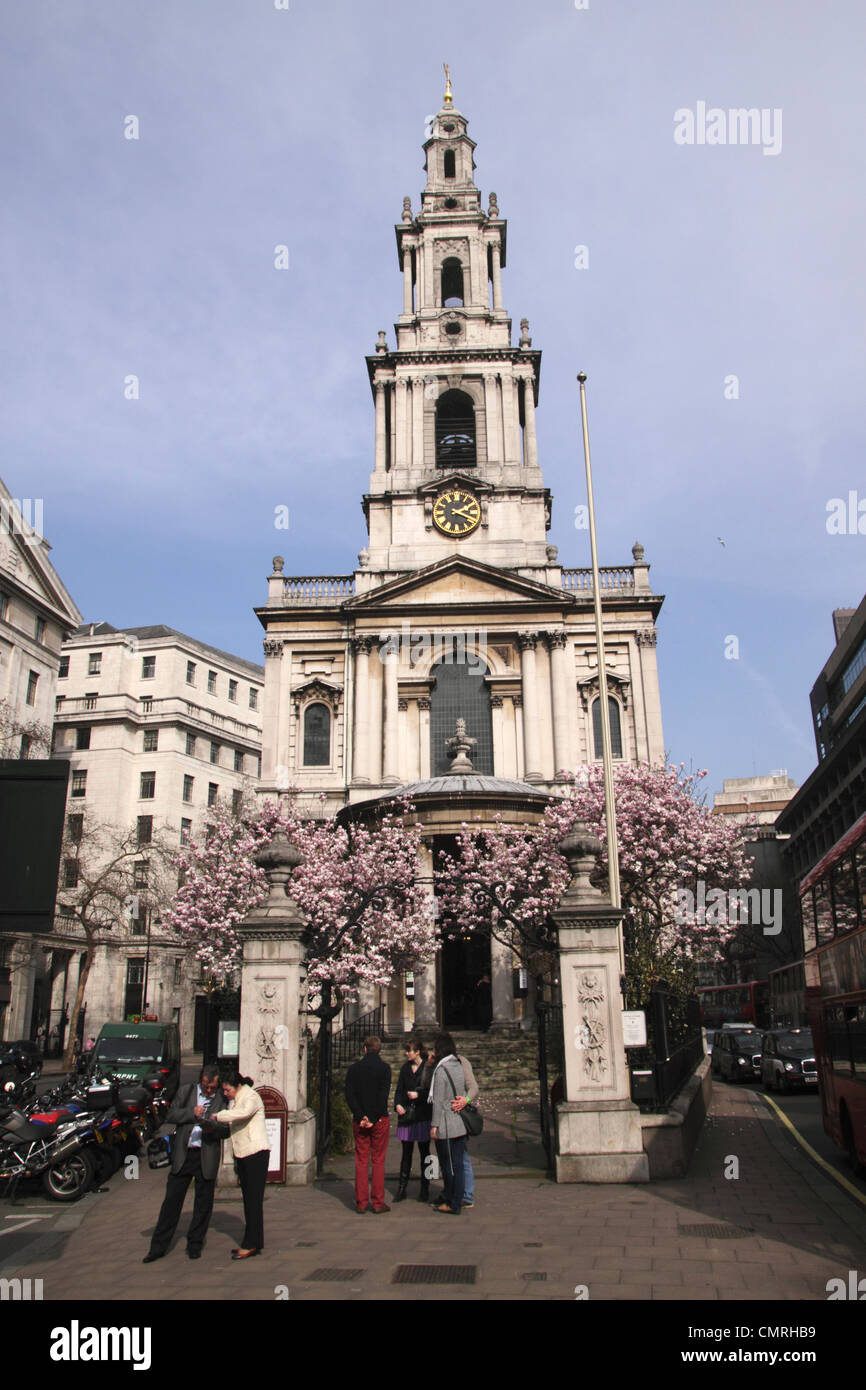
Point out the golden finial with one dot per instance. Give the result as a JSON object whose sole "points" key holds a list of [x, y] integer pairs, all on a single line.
{"points": [[447, 85]]}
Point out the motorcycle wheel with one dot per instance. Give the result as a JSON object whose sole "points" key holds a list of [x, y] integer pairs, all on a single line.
{"points": [[68, 1181]]}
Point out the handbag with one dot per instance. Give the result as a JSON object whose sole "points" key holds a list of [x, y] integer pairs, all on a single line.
{"points": [[159, 1152], [472, 1118], [410, 1117]]}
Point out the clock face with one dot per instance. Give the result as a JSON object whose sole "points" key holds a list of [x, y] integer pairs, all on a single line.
{"points": [[456, 512]]}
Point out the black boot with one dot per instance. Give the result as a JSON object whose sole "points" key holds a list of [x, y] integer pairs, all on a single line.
{"points": [[424, 1194], [405, 1171]]}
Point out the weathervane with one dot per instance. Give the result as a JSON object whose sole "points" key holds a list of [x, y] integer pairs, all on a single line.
{"points": [[447, 85]]}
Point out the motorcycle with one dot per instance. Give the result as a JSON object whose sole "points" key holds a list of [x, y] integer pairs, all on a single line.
{"points": [[54, 1150]]}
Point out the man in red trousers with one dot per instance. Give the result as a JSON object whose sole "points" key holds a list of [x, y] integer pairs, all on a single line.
{"points": [[368, 1084]]}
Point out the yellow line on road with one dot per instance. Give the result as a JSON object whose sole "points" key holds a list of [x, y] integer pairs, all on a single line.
{"points": [[804, 1143]]}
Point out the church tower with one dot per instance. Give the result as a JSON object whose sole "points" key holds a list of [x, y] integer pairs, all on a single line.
{"points": [[456, 459]]}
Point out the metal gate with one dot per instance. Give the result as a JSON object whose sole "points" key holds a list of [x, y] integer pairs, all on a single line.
{"points": [[551, 1069]]}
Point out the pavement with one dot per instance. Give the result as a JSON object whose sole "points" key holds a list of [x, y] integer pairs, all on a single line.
{"points": [[779, 1229]]}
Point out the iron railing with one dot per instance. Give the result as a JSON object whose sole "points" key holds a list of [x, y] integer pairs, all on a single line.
{"points": [[674, 1049], [551, 1068], [348, 1041]]}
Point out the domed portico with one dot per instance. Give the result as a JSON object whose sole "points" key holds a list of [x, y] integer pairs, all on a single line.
{"points": [[445, 988]]}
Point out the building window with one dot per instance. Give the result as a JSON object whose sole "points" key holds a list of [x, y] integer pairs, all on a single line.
{"points": [[151, 740], [449, 164], [64, 668], [190, 745], [145, 830], [233, 691], [317, 736], [26, 745], [239, 760], [75, 828], [460, 692], [40, 629], [94, 663], [452, 282], [147, 787], [185, 830], [32, 683], [215, 753], [187, 787], [82, 737], [90, 699], [615, 727], [79, 784], [211, 682], [148, 667], [190, 673], [258, 764], [254, 698], [4, 605], [139, 874], [237, 802], [178, 967], [212, 793], [70, 873], [455, 430], [146, 704]]}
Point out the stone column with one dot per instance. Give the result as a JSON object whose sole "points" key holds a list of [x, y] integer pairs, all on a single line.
{"points": [[390, 735], [275, 758], [497, 275], [517, 706], [530, 441], [527, 641], [599, 1128], [399, 460], [426, 1010], [501, 965], [273, 995], [559, 657], [508, 429], [407, 281], [491, 419], [362, 647], [424, 737], [417, 422], [379, 463], [499, 769]]}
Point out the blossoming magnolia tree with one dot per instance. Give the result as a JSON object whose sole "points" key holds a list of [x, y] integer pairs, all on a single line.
{"points": [[368, 917], [507, 880]]}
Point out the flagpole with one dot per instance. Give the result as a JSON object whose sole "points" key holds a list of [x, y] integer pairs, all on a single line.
{"points": [[606, 749]]}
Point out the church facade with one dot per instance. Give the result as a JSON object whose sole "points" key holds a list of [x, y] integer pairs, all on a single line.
{"points": [[458, 607]]}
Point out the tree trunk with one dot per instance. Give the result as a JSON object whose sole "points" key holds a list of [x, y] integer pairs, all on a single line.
{"points": [[69, 1054]]}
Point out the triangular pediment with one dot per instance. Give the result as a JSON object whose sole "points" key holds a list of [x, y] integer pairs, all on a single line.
{"points": [[24, 560], [459, 580]]}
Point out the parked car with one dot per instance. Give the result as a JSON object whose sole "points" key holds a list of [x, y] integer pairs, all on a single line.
{"points": [[788, 1060], [24, 1055], [737, 1054], [133, 1051]]}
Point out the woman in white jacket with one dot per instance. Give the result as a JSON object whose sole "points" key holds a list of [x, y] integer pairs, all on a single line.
{"points": [[249, 1141]]}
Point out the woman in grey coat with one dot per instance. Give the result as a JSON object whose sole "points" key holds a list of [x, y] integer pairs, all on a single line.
{"points": [[446, 1127]]}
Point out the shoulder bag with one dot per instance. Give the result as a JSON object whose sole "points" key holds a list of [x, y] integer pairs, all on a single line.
{"points": [[472, 1118]]}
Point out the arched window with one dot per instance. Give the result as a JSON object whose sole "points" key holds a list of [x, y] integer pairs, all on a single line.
{"points": [[449, 164], [460, 692], [455, 430], [615, 727], [317, 736], [452, 282]]}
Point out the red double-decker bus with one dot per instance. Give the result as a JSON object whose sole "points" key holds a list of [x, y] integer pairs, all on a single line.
{"points": [[745, 1003], [833, 908]]}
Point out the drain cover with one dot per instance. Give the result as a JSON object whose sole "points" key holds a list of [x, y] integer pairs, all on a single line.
{"points": [[532, 1245], [434, 1274], [306, 1244], [716, 1232], [336, 1276], [534, 1277]]}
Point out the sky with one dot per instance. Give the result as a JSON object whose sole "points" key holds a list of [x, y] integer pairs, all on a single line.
{"points": [[717, 305]]}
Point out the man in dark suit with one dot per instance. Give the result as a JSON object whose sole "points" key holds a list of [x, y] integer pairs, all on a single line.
{"points": [[195, 1153], [367, 1085]]}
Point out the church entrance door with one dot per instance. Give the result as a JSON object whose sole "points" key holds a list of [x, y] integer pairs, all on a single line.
{"points": [[465, 969]]}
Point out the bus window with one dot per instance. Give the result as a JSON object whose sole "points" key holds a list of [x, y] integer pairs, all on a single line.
{"points": [[860, 863], [857, 1035], [807, 912], [836, 1031], [823, 912], [844, 887]]}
